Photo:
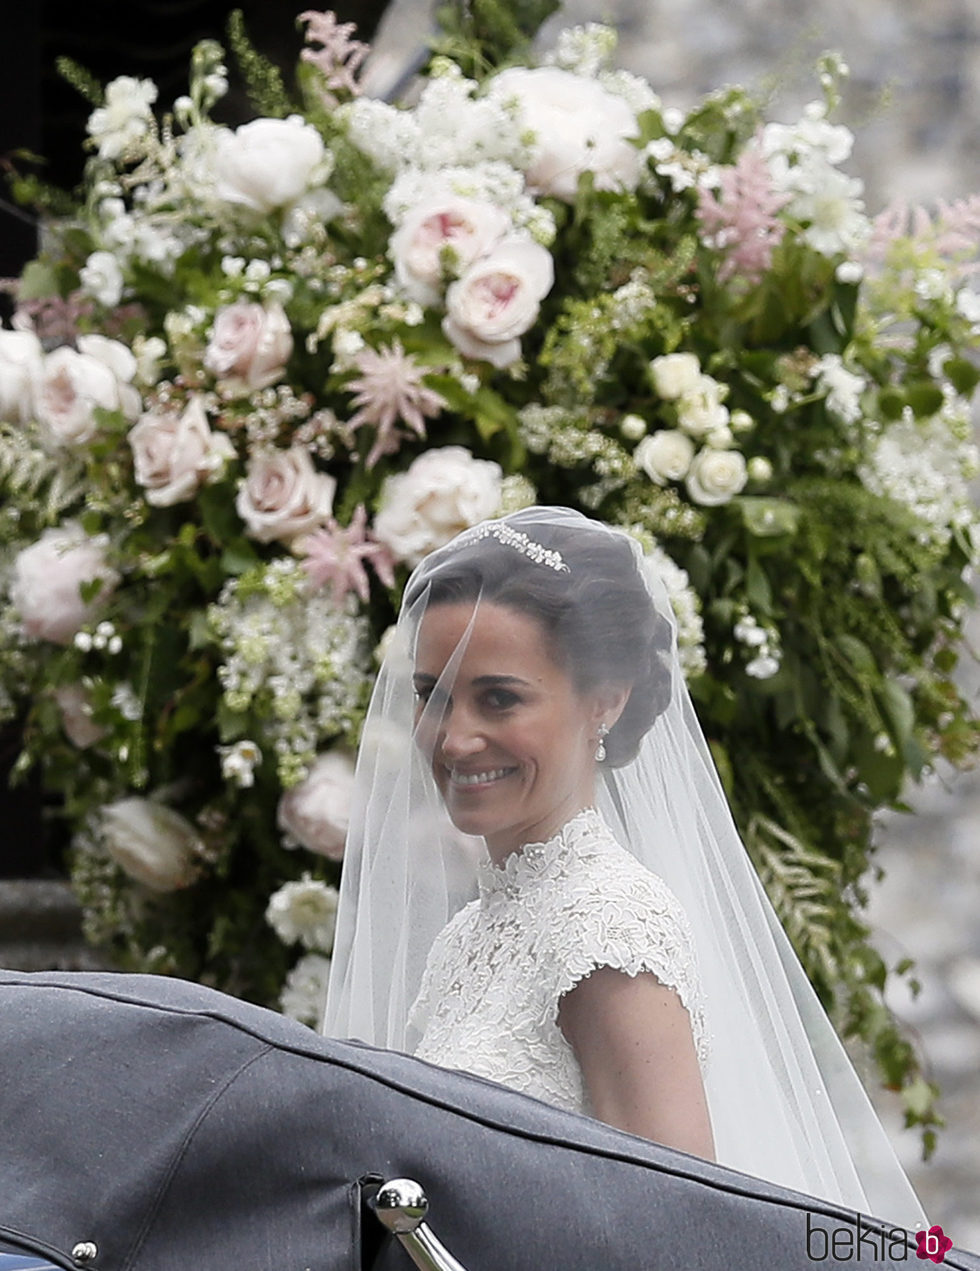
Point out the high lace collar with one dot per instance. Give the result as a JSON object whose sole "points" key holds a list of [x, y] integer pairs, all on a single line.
{"points": [[535, 861]]}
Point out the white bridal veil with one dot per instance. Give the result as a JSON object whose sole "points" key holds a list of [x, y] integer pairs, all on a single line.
{"points": [[785, 1101]]}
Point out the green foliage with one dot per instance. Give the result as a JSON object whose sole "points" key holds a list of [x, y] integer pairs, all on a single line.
{"points": [[490, 33]]}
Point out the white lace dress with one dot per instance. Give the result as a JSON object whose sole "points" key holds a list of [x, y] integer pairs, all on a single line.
{"points": [[547, 918]]}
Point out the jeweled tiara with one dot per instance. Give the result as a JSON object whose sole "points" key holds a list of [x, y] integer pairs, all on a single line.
{"points": [[515, 539]]}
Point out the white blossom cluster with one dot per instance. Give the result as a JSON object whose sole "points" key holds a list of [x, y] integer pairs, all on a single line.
{"points": [[296, 659], [927, 466], [686, 604], [762, 645]]}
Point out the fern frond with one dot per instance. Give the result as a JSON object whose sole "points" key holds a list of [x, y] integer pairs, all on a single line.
{"points": [[263, 79]]}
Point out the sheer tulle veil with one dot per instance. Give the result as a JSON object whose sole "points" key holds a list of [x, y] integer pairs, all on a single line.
{"points": [[786, 1103]]}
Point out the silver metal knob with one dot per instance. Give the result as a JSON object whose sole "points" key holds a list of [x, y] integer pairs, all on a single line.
{"points": [[85, 1251], [401, 1205]]}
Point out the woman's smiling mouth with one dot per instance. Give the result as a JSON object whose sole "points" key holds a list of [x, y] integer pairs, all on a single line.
{"points": [[487, 777]]}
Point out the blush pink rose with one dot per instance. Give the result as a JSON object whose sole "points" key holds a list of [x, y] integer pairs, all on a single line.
{"points": [[444, 230], [154, 844], [48, 575], [250, 342], [316, 813], [497, 300], [76, 716], [174, 455], [283, 495], [74, 383]]}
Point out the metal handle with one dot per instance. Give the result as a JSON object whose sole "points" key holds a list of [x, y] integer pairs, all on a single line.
{"points": [[401, 1205]]}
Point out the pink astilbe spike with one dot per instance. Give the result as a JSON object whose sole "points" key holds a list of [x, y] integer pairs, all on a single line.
{"points": [[388, 391], [740, 220], [337, 556], [339, 57]]}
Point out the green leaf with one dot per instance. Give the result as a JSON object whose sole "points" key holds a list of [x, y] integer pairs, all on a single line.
{"points": [[963, 375], [899, 709], [768, 518], [925, 398], [857, 653]]}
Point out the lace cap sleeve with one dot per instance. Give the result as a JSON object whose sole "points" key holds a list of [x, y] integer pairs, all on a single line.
{"points": [[630, 921]]}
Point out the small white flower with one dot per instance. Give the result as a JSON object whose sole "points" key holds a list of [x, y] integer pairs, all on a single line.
{"points": [[304, 994], [238, 762], [102, 278], [849, 271], [763, 667], [633, 427], [674, 374], [759, 469], [304, 911], [968, 305]]}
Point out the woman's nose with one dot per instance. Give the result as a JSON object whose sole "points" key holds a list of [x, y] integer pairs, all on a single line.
{"points": [[460, 735]]}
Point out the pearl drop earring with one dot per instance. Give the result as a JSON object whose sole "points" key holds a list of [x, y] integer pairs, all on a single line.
{"points": [[600, 750]]}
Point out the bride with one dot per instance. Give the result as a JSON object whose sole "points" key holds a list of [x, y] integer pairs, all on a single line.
{"points": [[543, 884]]}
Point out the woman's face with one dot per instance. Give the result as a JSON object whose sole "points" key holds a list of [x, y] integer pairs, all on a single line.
{"points": [[513, 746]]}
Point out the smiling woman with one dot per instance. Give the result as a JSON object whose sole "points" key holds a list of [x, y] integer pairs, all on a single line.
{"points": [[543, 884]]}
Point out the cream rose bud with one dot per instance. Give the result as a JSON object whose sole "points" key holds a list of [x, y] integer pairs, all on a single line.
{"points": [[701, 411], [266, 164], [715, 476], [76, 716], [283, 495], [47, 581], [155, 845], [497, 300], [174, 455], [316, 813], [665, 455], [578, 126], [102, 278], [74, 383], [445, 230], [674, 374], [250, 342], [444, 491], [759, 469], [21, 362]]}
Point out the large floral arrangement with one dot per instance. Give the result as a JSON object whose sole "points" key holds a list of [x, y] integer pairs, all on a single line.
{"points": [[257, 373]]}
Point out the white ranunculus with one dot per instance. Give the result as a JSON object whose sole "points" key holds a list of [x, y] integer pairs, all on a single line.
{"points": [[578, 126], [21, 362], [74, 383], [665, 455], [76, 716], [266, 164], [715, 476], [47, 579], [250, 342], [497, 299], [174, 455], [444, 230], [701, 411], [316, 813], [102, 278], [283, 495], [444, 491], [304, 911], [155, 845], [674, 374]]}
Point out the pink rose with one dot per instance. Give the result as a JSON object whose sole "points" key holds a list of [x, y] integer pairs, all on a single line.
{"points": [[76, 716], [173, 455], [284, 496], [251, 342], [316, 813], [75, 382], [497, 300], [154, 844], [444, 230], [48, 577]]}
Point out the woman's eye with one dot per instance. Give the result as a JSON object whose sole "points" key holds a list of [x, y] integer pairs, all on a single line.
{"points": [[501, 699]]}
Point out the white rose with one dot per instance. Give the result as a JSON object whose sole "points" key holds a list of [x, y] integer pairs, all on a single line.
{"points": [[251, 342], [154, 844], [304, 994], [578, 126], [76, 716], [444, 229], [102, 278], [701, 411], [173, 455], [675, 374], [497, 299], [21, 361], [47, 579], [715, 476], [665, 455], [444, 491], [283, 495], [266, 164], [75, 382], [316, 813], [304, 911]]}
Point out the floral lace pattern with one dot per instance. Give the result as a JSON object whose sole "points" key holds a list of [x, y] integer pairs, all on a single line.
{"points": [[551, 915]]}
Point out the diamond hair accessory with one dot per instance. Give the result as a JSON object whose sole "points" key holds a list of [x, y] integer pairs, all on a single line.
{"points": [[520, 542]]}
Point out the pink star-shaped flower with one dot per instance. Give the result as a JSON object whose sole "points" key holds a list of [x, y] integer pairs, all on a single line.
{"points": [[338, 556], [339, 57], [389, 391]]}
